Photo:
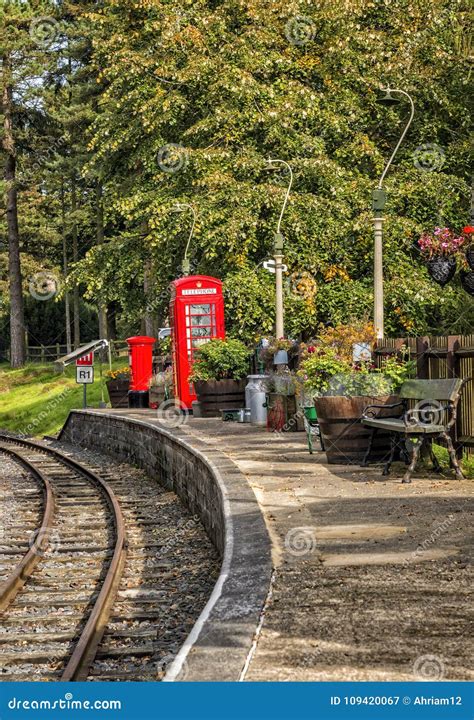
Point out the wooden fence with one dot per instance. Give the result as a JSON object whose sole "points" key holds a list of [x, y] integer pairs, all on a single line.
{"points": [[50, 353], [443, 357]]}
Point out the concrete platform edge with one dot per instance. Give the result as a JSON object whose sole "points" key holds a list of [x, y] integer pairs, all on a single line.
{"points": [[218, 492]]}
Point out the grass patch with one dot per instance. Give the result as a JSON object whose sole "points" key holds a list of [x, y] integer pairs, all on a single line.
{"points": [[36, 400], [467, 462]]}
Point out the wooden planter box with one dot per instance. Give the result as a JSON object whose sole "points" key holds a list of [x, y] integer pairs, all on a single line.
{"points": [[283, 413], [118, 393], [345, 438], [217, 395]]}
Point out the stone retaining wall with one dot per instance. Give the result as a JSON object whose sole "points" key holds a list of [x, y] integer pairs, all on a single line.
{"points": [[212, 487]]}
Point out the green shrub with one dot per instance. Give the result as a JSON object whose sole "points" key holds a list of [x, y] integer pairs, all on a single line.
{"points": [[221, 360]]}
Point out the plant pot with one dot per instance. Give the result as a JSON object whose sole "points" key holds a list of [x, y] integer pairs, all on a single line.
{"points": [[156, 396], [470, 256], [467, 281], [441, 269], [283, 413], [344, 437], [118, 393], [280, 357], [217, 395]]}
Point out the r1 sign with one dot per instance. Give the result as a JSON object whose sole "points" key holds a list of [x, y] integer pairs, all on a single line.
{"points": [[85, 375]]}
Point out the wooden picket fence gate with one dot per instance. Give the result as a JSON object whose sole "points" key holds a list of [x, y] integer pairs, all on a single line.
{"points": [[437, 358]]}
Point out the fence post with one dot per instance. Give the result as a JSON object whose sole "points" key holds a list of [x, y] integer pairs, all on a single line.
{"points": [[452, 361], [422, 361], [452, 364], [42, 354]]}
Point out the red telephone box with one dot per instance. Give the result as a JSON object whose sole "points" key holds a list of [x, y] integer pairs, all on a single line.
{"points": [[197, 316], [140, 357]]}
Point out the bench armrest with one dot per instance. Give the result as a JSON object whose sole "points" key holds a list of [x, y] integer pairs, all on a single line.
{"points": [[369, 414], [429, 415]]}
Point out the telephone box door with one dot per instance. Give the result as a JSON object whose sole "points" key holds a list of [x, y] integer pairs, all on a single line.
{"points": [[197, 316]]}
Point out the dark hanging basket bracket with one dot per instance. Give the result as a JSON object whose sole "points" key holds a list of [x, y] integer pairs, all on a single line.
{"points": [[442, 269], [470, 256], [467, 281]]}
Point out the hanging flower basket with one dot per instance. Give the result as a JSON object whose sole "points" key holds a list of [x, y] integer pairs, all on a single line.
{"points": [[441, 269], [467, 281]]}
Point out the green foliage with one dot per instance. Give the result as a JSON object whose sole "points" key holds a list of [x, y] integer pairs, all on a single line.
{"points": [[227, 84], [319, 367], [220, 360]]}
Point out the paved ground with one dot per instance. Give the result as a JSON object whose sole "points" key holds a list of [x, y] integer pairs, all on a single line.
{"points": [[372, 577]]}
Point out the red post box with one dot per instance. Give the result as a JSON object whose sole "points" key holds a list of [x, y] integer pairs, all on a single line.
{"points": [[197, 316], [140, 357]]}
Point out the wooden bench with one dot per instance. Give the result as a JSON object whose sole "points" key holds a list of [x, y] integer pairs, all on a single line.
{"points": [[432, 417]]}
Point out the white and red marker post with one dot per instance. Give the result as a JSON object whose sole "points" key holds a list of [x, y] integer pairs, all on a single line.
{"points": [[85, 373]]}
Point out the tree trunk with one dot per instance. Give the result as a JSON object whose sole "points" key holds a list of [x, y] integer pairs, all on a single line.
{"points": [[67, 309], [75, 258], [17, 315], [101, 308], [112, 320]]}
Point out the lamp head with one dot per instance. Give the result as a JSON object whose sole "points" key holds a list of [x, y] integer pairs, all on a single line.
{"points": [[387, 99]]}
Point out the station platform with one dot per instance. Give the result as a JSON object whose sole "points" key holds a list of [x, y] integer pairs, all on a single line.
{"points": [[371, 577]]}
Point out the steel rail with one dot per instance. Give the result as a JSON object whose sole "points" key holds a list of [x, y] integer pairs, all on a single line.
{"points": [[10, 587], [86, 647]]}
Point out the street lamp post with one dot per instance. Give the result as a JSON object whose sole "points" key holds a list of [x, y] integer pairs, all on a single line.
{"points": [[378, 203], [278, 255], [182, 207]]}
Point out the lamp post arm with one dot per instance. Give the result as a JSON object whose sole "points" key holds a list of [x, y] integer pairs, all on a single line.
{"points": [[288, 190], [180, 208], [412, 113], [191, 232]]}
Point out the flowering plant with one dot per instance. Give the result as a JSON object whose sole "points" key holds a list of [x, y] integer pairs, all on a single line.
{"points": [[162, 380], [122, 373], [442, 241]]}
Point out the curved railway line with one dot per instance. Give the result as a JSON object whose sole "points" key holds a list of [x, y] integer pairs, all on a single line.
{"points": [[95, 594]]}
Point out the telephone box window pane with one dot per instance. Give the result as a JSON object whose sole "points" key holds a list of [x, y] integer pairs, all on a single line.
{"points": [[201, 341], [201, 320], [200, 309], [201, 332]]}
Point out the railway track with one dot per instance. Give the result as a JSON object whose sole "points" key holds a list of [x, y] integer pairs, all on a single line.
{"points": [[112, 580]]}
